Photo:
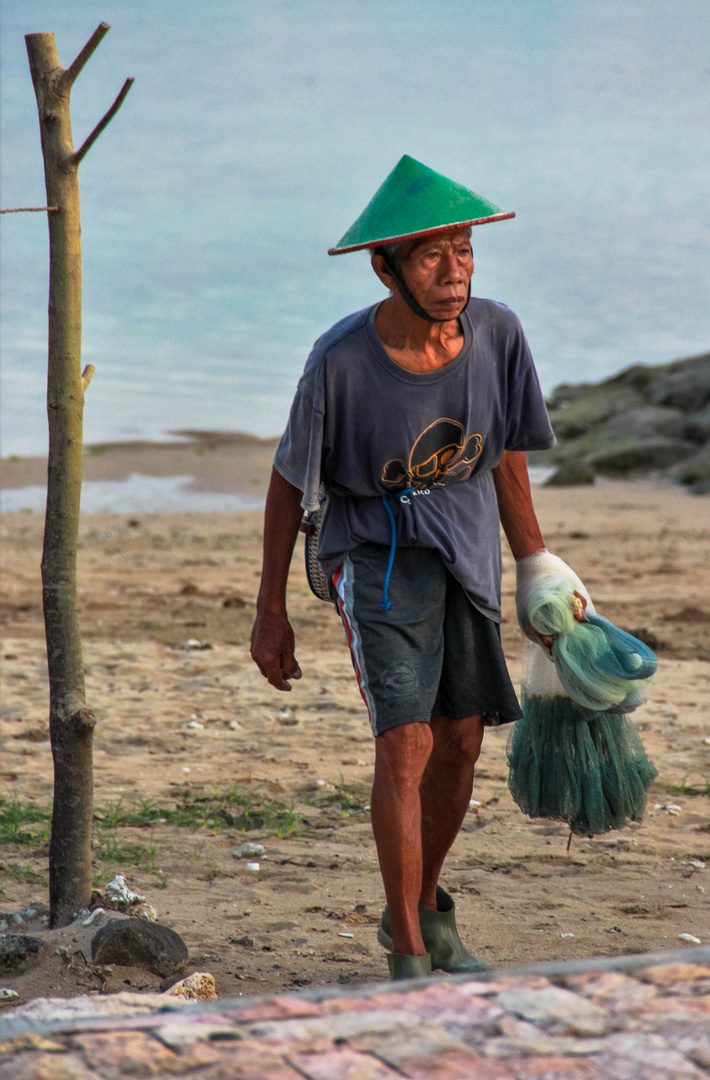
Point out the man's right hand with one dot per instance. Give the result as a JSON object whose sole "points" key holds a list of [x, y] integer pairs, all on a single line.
{"points": [[272, 641], [272, 650]]}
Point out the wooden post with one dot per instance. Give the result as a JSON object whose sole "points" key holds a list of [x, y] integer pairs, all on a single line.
{"points": [[71, 723]]}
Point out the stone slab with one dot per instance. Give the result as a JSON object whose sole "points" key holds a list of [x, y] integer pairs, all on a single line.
{"points": [[630, 1018]]}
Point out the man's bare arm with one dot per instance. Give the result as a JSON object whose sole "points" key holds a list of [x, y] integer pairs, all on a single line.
{"points": [[519, 520], [272, 640], [515, 505]]}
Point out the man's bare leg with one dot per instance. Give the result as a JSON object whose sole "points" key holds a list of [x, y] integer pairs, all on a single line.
{"points": [[401, 756], [445, 793]]}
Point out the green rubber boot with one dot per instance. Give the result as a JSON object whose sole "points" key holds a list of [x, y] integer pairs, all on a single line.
{"points": [[408, 967], [440, 936]]}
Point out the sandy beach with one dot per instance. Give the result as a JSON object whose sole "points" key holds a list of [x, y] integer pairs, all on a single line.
{"points": [[195, 753]]}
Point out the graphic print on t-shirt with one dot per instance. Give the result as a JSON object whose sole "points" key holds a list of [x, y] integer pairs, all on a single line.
{"points": [[443, 454]]}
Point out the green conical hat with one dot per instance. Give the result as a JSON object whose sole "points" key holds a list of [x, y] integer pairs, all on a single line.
{"points": [[416, 201]]}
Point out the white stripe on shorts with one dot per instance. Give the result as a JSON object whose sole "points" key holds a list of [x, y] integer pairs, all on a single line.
{"points": [[343, 581]]}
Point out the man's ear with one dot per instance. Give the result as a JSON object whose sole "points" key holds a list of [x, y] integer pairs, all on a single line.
{"points": [[382, 270]]}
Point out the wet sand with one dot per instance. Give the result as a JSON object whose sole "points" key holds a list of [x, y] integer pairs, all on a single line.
{"points": [[217, 462]]}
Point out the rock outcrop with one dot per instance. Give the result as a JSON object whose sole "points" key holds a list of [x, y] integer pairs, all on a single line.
{"points": [[137, 943], [644, 421], [19, 951]]}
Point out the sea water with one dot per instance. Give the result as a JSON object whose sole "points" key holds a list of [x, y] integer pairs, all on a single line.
{"points": [[254, 135]]}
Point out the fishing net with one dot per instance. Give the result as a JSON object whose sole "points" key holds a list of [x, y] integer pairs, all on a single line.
{"points": [[599, 665], [593, 774], [575, 756]]}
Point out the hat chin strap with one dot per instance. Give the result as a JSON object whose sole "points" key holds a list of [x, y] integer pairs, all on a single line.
{"points": [[406, 295]]}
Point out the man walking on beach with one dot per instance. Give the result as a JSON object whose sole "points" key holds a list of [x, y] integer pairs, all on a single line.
{"points": [[412, 418]]}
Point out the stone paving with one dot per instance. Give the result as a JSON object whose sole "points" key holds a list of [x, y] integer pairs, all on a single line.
{"points": [[621, 1018]]}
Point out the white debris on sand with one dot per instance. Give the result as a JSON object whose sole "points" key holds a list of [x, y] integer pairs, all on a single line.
{"points": [[118, 893], [247, 850]]}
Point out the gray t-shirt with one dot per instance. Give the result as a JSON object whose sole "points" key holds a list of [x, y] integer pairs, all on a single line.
{"points": [[364, 428]]}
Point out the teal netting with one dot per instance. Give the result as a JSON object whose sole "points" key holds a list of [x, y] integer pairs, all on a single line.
{"points": [[592, 774], [600, 666]]}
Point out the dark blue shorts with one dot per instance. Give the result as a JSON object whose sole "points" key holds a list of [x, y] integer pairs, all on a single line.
{"points": [[433, 652]]}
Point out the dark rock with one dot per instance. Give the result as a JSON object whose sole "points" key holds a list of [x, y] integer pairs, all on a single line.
{"points": [[585, 414], [695, 472], [137, 943], [684, 384], [645, 419], [19, 951], [646, 422], [647, 455], [695, 469], [697, 426], [571, 474]]}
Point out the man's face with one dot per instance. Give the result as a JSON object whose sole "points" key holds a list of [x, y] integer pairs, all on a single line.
{"points": [[438, 273]]}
